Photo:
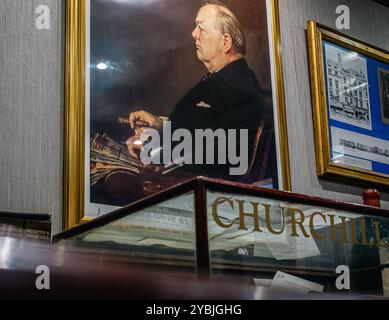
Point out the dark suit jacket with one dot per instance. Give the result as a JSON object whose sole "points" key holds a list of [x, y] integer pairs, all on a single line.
{"points": [[235, 101]]}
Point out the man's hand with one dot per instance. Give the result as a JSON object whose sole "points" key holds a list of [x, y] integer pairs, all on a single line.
{"points": [[136, 143], [146, 117]]}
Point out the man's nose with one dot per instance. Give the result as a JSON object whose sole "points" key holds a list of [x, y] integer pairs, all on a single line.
{"points": [[195, 33]]}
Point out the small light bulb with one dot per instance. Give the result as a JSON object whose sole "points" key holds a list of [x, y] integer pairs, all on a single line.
{"points": [[102, 66], [138, 142]]}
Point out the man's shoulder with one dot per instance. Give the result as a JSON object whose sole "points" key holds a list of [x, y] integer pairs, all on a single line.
{"points": [[240, 77]]}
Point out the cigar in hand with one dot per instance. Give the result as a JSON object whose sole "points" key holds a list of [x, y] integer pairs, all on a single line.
{"points": [[138, 123]]}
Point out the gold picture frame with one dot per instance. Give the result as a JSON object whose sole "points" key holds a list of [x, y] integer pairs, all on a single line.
{"points": [[335, 126], [74, 144]]}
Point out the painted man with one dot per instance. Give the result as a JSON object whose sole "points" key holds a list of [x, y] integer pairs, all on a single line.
{"points": [[229, 95]]}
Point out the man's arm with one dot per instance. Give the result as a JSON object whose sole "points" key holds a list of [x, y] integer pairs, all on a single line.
{"points": [[153, 121]]}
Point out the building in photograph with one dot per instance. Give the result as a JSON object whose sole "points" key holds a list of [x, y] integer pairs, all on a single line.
{"points": [[348, 90]]}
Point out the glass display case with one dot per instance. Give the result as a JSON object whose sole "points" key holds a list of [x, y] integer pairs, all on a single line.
{"points": [[218, 229]]}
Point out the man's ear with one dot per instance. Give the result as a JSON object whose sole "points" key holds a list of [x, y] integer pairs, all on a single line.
{"points": [[227, 42]]}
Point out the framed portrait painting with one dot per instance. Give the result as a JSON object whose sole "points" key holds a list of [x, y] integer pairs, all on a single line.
{"points": [[159, 91], [349, 85]]}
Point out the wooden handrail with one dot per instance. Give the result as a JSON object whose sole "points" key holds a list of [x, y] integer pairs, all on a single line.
{"points": [[26, 216]]}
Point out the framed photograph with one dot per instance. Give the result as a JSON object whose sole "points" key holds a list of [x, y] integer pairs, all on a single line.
{"points": [[383, 78], [349, 85], [177, 68]]}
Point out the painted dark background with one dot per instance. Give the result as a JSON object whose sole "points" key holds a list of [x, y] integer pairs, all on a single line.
{"points": [[151, 56]]}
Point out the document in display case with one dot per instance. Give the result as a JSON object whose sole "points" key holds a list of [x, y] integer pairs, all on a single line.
{"points": [[218, 229]]}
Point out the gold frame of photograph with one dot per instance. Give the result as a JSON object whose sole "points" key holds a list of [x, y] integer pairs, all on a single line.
{"points": [[74, 142], [325, 167]]}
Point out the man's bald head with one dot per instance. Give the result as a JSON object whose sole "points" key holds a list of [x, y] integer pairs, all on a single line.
{"points": [[226, 22]]}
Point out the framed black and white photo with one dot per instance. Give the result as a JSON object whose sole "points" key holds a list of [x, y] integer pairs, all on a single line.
{"points": [[349, 86]]}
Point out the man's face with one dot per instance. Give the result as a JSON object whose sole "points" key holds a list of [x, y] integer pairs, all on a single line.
{"points": [[209, 40]]}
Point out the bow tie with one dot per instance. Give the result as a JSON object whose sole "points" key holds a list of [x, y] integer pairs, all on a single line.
{"points": [[208, 75]]}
